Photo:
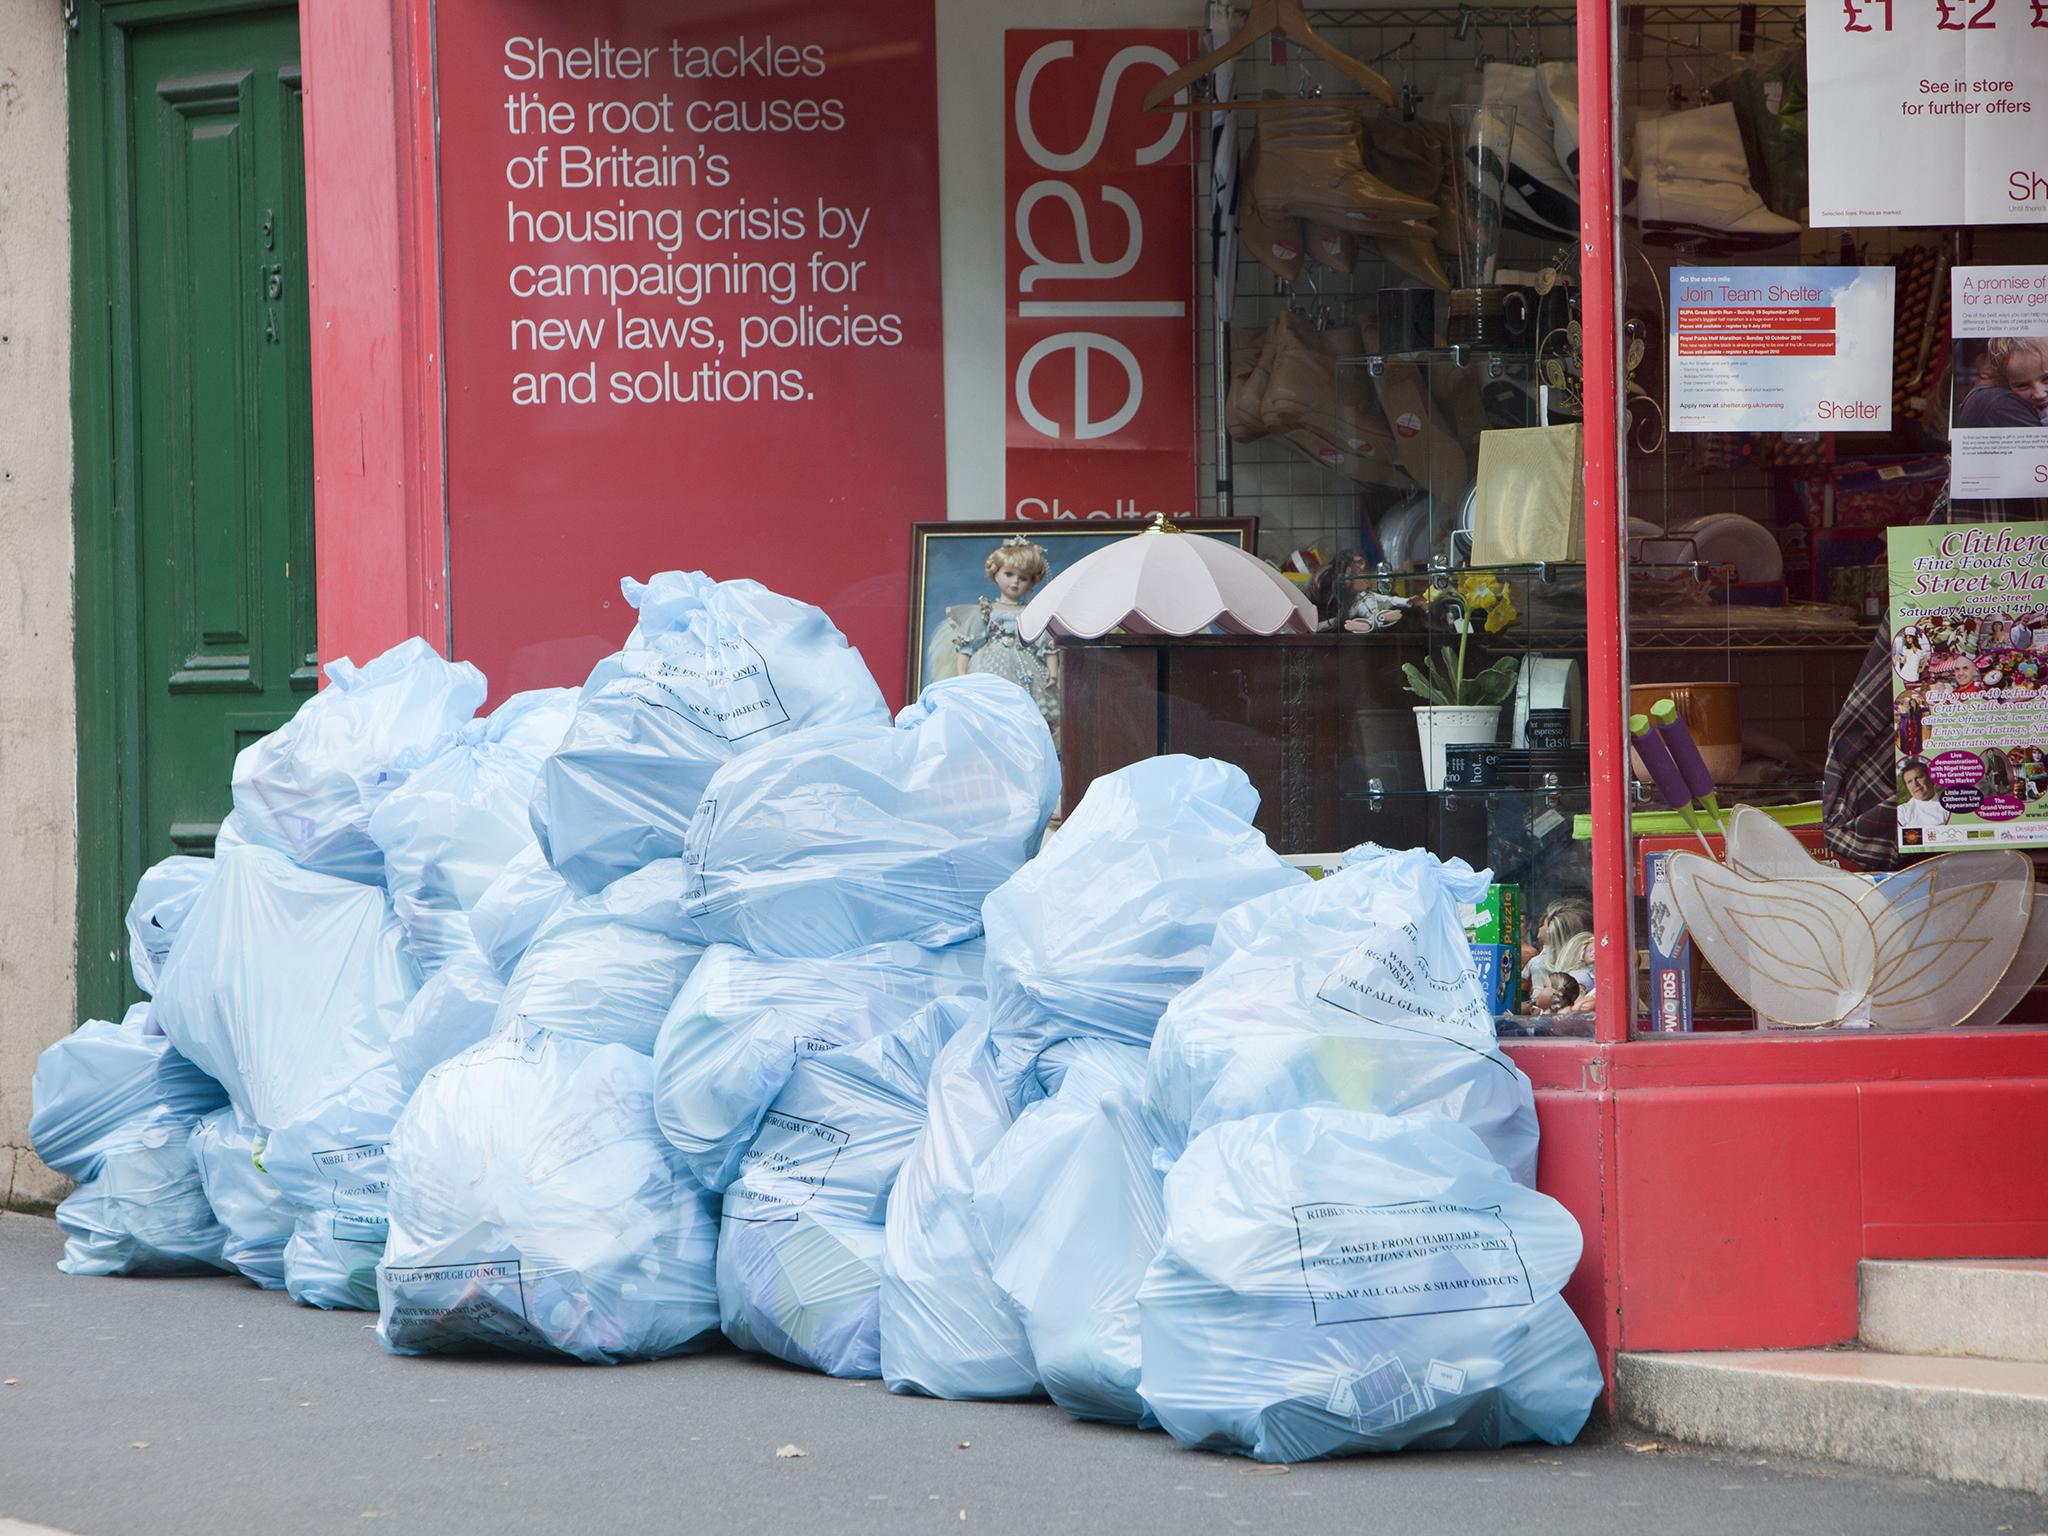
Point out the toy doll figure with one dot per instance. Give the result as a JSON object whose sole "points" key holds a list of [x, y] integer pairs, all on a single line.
{"points": [[982, 637], [1346, 598], [1563, 948]]}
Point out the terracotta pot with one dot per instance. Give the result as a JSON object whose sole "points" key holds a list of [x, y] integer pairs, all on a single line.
{"points": [[1711, 711]]}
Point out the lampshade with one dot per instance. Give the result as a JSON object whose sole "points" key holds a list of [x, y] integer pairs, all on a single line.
{"points": [[1167, 582]]}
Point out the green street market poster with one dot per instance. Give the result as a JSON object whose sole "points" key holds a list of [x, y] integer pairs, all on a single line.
{"points": [[1969, 612]]}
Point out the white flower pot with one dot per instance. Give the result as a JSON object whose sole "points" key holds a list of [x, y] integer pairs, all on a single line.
{"points": [[1446, 725]]}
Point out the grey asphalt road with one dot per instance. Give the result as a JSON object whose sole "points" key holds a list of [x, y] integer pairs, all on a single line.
{"points": [[172, 1406]]}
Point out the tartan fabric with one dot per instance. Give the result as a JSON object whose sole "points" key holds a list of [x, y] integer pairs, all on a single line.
{"points": [[1858, 793], [1858, 798]]}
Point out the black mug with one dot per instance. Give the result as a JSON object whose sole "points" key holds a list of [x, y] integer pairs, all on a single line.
{"points": [[1548, 728], [1518, 316], [1407, 320]]}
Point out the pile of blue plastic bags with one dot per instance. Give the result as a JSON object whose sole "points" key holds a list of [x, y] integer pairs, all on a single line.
{"points": [[709, 1002]]}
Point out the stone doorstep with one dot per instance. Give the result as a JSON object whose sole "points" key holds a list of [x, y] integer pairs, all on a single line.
{"points": [[1994, 1309], [1953, 1419]]}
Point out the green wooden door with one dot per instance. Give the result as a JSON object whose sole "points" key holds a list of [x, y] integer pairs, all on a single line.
{"points": [[201, 181]]}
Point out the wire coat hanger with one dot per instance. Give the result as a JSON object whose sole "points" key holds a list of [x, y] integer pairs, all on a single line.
{"points": [[1267, 18]]}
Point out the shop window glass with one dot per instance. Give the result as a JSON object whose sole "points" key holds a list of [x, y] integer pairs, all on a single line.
{"points": [[1793, 394], [1391, 391]]}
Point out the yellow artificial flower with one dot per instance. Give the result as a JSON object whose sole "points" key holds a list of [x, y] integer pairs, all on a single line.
{"points": [[1501, 614], [1477, 591]]}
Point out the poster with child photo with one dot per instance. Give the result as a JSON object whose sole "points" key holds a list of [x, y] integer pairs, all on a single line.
{"points": [[1998, 410]]}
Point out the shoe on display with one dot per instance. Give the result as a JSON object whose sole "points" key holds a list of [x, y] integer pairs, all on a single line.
{"points": [[1336, 249], [1311, 166], [1422, 443], [1417, 259], [1558, 85], [1695, 181], [1412, 158], [1329, 414], [1542, 197], [1301, 383], [1769, 97], [1275, 244], [1251, 371]]}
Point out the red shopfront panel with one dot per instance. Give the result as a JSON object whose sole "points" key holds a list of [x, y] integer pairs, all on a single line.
{"points": [[1099, 320], [1957, 1168], [1740, 1215], [690, 277], [1744, 1209]]}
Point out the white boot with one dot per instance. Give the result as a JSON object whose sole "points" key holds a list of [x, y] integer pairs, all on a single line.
{"points": [[1541, 195], [1558, 84], [1695, 178]]}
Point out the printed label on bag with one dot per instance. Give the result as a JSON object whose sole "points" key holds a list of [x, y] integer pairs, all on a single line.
{"points": [[1391, 979], [1365, 1263], [483, 1293], [360, 1176], [787, 1165], [725, 691], [350, 1227]]}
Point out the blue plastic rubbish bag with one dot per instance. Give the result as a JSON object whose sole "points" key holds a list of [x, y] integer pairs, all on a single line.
{"points": [[536, 1210], [332, 1163], [742, 1022], [1334, 1282], [947, 1328], [251, 1209], [459, 818], [515, 907], [1356, 991], [839, 837], [309, 787], [230, 835], [285, 984], [713, 669], [604, 967], [109, 1088], [331, 1258], [455, 1009], [143, 1213], [113, 1107], [163, 896], [1095, 935], [800, 1239], [1069, 1201]]}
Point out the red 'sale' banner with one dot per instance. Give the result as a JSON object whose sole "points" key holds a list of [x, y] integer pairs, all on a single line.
{"points": [[1099, 325], [690, 267]]}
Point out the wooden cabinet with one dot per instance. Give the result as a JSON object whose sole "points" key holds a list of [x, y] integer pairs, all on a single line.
{"points": [[1311, 719]]}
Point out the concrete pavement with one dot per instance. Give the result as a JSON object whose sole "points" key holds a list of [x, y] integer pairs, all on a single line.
{"points": [[174, 1406]]}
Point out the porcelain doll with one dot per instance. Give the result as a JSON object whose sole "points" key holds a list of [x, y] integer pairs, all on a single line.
{"points": [[981, 637]]}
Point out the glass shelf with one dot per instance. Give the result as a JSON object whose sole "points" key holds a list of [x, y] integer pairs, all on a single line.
{"points": [[1496, 360], [1376, 793]]}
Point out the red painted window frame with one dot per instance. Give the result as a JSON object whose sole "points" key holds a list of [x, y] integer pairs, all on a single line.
{"points": [[380, 505]]}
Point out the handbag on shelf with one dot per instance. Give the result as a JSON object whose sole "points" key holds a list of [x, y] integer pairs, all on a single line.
{"points": [[1531, 503]]}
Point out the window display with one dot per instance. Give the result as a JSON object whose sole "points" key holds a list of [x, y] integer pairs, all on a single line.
{"points": [[1829, 378]]}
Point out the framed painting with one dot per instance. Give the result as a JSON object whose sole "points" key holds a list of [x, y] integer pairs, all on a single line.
{"points": [[969, 582]]}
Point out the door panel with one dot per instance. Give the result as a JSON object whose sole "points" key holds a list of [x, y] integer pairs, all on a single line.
{"points": [[224, 511], [192, 407]]}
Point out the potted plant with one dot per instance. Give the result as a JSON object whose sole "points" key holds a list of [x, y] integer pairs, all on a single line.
{"points": [[1457, 709]]}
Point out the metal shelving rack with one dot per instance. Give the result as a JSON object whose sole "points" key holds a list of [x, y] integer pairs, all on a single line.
{"points": [[1671, 53]]}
